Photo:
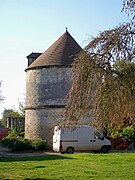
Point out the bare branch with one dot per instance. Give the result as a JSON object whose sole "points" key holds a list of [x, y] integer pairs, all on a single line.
{"points": [[129, 7]]}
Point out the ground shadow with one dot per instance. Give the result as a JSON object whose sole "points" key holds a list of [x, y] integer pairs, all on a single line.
{"points": [[35, 179], [39, 179], [33, 158]]}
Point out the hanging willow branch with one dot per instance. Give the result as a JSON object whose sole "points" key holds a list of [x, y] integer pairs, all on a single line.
{"points": [[99, 86], [129, 8], [117, 43]]}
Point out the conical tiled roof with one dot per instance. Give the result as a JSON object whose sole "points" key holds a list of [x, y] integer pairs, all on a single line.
{"points": [[61, 53]]}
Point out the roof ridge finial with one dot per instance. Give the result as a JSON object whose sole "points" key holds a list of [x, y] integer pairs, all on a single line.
{"points": [[66, 29]]}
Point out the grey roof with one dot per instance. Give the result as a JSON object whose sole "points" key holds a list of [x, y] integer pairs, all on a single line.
{"points": [[34, 55], [60, 53]]}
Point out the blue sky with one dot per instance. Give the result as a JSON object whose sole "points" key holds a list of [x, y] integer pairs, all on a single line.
{"points": [[33, 25]]}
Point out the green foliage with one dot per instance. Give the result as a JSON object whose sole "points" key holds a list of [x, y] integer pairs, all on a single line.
{"points": [[38, 144], [114, 133], [12, 113], [21, 134], [128, 132], [22, 109], [9, 113], [12, 133], [17, 143]]}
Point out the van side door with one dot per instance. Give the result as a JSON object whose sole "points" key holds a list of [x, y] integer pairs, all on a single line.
{"points": [[85, 139]]}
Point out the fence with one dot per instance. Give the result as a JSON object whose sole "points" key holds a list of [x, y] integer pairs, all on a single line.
{"points": [[17, 124]]}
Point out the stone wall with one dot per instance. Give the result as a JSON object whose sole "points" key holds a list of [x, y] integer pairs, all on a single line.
{"points": [[47, 86], [46, 95], [39, 124]]}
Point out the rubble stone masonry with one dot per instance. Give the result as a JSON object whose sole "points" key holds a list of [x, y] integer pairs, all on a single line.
{"points": [[46, 96]]}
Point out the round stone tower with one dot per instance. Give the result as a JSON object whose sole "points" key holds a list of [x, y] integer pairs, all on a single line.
{"points": [[48, 82]]}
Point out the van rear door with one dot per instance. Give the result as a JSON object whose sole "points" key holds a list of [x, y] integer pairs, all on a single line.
{"points": [[56, 139]]}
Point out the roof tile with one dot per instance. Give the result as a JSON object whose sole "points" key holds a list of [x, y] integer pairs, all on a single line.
{"points": [[61, 52]]}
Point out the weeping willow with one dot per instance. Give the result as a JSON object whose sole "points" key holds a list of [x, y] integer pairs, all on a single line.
{"points": [[104, 77]]}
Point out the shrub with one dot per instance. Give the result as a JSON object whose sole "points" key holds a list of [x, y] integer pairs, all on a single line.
{"points": [[12, 133], [38, 144], [21, 134], [5, 141], [17, 143], [114, 133], [128, 132]]}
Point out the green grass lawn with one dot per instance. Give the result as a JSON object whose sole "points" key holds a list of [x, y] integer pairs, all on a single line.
{"points": [[117, 166]]}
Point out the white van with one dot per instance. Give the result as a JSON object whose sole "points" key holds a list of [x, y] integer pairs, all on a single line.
{"points": [[79, 138]]}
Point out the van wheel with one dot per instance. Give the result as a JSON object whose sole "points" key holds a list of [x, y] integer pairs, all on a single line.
{"points": [[104, 149], [70, 150]]}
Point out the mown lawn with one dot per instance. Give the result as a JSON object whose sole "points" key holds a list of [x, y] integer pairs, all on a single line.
{"points": [[117, 166]]}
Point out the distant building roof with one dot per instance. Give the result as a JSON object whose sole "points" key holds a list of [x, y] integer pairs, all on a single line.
{"points": [[60, 53]]}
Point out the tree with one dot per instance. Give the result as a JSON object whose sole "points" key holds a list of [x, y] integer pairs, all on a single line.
{"points": [[104, 76], [8, 113], [12, 113], [21, 109], [1, 97], [115, 102]]}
